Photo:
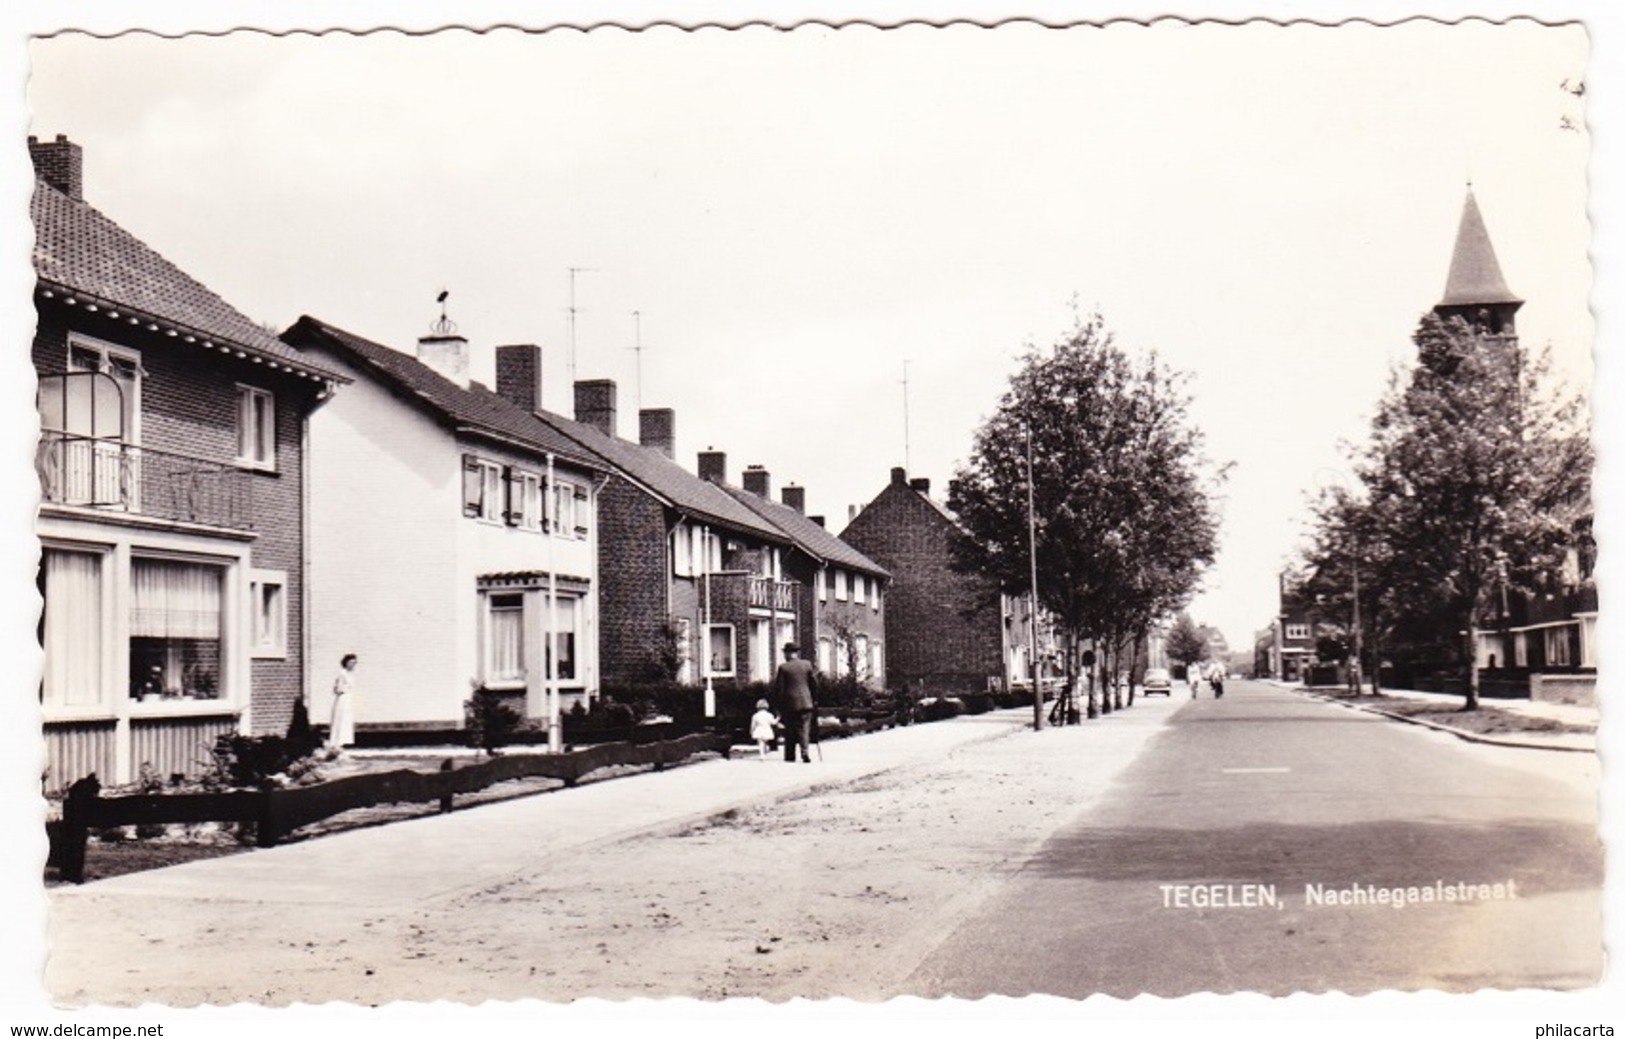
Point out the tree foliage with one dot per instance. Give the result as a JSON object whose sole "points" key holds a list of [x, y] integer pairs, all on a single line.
{"points": [[1185, 642], [1124, 525], [1472, 480]]}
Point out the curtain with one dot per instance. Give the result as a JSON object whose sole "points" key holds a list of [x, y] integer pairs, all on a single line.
{"points": [[507, 640], [73, 628], [174, 600]]}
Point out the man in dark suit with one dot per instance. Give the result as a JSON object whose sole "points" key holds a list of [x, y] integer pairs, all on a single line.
{"points": [[794, 689]]}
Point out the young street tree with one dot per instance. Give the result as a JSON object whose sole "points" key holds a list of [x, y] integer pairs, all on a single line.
{"points": [[1185, 642], [1472, 481], [1122, 522]]}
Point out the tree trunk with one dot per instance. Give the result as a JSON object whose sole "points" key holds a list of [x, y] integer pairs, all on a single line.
{"points": [[1472, 666], [1134, 663]]}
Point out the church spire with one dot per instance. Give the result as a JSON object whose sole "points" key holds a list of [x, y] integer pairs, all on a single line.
{"points": [[1475, 290]]}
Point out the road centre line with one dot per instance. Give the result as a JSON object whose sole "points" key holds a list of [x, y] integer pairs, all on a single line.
{"points": [[1253, 771]]}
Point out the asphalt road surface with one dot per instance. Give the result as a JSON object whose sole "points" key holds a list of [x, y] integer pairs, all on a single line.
{"points": [[1197, 871]]}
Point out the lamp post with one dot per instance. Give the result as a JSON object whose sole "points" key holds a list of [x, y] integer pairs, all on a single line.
{"points": [[1032, 574]]}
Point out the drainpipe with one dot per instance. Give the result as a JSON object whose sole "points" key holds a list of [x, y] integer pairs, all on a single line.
{"points": [[555, 737], [705, 636]]}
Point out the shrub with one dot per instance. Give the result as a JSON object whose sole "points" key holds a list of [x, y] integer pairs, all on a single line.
{"points": [[489, 721], [262, 762], [933, 709], [150, 782]]}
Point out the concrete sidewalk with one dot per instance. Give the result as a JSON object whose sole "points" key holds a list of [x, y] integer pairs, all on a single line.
{"points": [[439, 855], [1568, 714]]}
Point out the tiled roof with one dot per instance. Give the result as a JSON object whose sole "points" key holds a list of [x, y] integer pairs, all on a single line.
{"points": [[668, 480], [812, 537], [1475, 275], [81, 254], [476, 407]]}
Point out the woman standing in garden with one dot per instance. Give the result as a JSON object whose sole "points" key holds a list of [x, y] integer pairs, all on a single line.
{"points": [[341, 733]]}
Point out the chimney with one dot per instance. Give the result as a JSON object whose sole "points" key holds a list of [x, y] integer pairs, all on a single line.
{"points": [[899, 475], [713, 465], [921, 484], [852, 510], [446, 354], [755, 480], [59, 163], [657, 428], [817, 519], [795, 497], [595, 404], [519, 375]]}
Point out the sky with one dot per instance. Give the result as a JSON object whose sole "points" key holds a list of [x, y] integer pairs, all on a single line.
{"points": [[799, 214], [788, 223]]}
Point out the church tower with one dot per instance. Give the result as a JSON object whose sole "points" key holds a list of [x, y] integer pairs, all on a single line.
{"points": [[1475, 291]]}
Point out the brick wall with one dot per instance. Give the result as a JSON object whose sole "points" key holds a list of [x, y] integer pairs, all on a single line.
{"points": [[189, 406], [941, 627], [633, 574]]}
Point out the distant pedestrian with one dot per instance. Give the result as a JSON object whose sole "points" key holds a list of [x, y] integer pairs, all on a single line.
{"points": [[341, 733], [762, 726], [1215, 677], [1193, 674], [795, 688]]}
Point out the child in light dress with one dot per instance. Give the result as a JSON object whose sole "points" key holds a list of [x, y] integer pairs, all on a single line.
{"points": [[762, 726]]}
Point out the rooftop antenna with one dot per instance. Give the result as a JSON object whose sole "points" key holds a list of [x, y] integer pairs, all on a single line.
{"points": [[637, 349], [906, 466], [573, 272], [443, 326]]}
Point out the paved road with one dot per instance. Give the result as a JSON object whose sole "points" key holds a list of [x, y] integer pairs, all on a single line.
{"points": [[1264, 793]]}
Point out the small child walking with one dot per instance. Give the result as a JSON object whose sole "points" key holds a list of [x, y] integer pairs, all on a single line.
{"points": [[762, 726]]}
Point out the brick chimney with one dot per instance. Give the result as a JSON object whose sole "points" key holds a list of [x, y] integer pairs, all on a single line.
{"points": [[657, 428], [921, 484], [817, 519], [59, 163], [713, 465], [795, 497], [595, 404], [899, 476], [519, 374], [446, 354], [756, 481]]}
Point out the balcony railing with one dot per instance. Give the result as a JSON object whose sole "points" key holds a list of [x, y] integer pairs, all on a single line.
{"points": [[770, 594], [107, 473]]}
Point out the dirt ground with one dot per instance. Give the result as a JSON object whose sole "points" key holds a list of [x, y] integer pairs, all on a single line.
{"points": [[839, 892]]}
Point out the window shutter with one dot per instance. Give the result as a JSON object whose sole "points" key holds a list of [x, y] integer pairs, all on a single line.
{"points": [[473, 488], [513, 490]]}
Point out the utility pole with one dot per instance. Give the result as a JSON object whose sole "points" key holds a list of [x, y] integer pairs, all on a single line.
{"points": [[573, 272], [1032, 607]]}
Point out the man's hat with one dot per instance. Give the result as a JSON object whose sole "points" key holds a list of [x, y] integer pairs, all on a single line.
{"points": [[791, 647]]}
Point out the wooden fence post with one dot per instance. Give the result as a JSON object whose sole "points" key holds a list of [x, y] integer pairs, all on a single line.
{"points": [[78, 810]]}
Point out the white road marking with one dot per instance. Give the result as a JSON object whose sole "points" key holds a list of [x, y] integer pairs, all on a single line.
{"points": [[1250, 771]]}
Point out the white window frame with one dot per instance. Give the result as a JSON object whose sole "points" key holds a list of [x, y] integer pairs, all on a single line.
{"points": [[682, 550], [268, 642], [56, 705], [1297, 631], [840, 586], [108, 352], [733, 651], [532, 506], [489, 608], [823, 587], [256, 428]]}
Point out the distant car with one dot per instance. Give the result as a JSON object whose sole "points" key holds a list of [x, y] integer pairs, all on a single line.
{"points": [[1157, 680]]}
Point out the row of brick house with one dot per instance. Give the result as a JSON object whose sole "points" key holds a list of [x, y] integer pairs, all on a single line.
{"points": [[226, 512]]}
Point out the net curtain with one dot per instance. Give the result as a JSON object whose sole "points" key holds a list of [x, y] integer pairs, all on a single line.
{"points": [[173, 600]]}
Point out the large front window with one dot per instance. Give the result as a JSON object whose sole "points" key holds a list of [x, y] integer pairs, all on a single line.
{"points": [[175, 629]]}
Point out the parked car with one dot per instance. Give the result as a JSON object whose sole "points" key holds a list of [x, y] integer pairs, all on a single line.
{"points": [[1157, 680]]}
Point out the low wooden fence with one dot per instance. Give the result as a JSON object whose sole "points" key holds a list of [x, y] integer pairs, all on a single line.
{"points": [[276, 813]]}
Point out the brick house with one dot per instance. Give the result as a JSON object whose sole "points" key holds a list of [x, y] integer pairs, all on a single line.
{"points": [[454, 539], [172, 519], [842, 589], [693, 583], [946, 632]]}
